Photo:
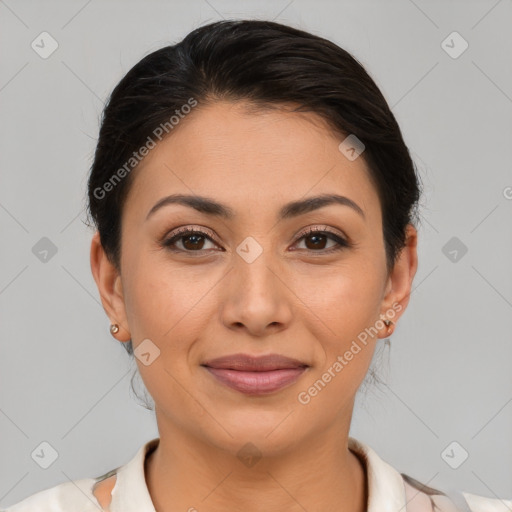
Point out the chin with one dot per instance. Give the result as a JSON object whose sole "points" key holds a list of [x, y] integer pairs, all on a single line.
{"points": [[271, 431]]}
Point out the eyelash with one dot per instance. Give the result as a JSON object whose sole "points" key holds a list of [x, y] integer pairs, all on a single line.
{"points": [[184, 232]]}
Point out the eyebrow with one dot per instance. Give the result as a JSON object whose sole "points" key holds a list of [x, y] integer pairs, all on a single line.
{"points": [[209, 206]]}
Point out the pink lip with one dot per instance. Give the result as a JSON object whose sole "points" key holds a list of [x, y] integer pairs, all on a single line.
{"points": [[256, 375]]}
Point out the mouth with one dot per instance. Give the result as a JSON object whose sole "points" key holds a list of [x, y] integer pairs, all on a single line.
{"points": [[256, 375]]}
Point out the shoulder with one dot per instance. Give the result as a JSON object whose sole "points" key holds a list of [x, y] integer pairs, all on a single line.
{"points": [[388, 489], [466, 502], [85, 494], [421, 498], [482, 504], [113, 490]]}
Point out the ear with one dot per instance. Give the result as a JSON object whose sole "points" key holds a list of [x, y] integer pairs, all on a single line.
{"points": [[399, 284], [108, 281]]}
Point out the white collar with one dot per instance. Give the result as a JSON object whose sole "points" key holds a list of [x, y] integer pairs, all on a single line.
{"points": [[386, 492], [130, 492]]}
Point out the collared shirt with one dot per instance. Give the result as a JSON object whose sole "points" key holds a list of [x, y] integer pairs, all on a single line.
{"points": [[388, 491]]}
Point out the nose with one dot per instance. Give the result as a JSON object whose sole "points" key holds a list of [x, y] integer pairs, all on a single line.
{"points": [[257, 298]]}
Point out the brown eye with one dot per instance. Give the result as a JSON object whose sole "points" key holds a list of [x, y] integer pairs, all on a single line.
{"points": [[315, 240], [192, 240]]}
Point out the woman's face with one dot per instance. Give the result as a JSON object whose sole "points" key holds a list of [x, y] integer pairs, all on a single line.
{"points": [[255, 282]]}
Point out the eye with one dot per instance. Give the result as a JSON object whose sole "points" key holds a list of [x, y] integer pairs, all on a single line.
{"points": [[191, 240], [315, 240]]}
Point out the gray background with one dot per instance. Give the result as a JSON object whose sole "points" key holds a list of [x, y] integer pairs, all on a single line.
{"points": [[447, 377]]}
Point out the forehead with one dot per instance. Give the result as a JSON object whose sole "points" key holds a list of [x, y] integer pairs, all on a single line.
{"points": [[251, 159]]}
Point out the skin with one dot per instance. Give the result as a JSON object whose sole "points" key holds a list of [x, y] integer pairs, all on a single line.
{"points": [[309, 304]]}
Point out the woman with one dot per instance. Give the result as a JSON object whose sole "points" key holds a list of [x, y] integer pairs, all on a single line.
{"points": [[255, 207]]}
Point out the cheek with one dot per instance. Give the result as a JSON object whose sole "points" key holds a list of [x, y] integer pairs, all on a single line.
{"points": [[341, 315], [165, 307], [172, 308], [345, 298], [340, 310], [160, 297]]}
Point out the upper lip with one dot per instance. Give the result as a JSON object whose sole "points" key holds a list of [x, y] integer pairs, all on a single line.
{"points": [[246, 362]]}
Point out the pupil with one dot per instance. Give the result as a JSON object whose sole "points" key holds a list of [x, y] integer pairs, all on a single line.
{"points": [[317, 239], [196, 240]]}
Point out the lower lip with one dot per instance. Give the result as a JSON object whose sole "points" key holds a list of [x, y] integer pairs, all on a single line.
{"points": [[257, 383]]}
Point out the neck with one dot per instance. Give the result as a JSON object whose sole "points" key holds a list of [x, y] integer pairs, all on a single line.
{"points": [[183, 474]]}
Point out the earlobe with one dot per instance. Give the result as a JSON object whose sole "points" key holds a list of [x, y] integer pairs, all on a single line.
{"points": [[110, 288]]}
